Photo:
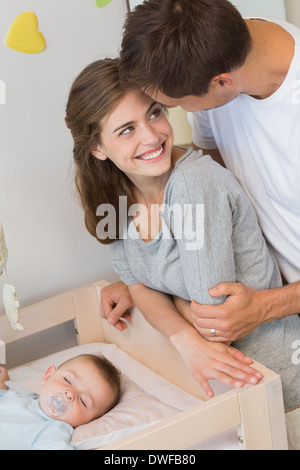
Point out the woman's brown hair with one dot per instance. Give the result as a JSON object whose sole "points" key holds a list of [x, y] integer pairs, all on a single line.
{"points": [[93, 96], [178, 46]]}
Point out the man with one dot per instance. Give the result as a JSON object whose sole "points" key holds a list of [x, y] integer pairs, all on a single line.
{"points": [[241, 79]]}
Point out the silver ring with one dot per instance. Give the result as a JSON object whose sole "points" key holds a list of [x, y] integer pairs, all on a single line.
{"points": [[212, 331]]}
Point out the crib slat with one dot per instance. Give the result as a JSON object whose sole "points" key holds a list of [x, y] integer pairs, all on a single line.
{"points": [[39, 317], [88, 319], [262, 411]]}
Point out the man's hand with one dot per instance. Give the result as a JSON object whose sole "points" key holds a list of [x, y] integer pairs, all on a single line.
{"points": [[115, 302], [240, 314]]}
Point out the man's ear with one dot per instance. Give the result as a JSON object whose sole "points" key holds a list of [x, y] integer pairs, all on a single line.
{"points": [[97, 152], [223, 80], [48, 373]]}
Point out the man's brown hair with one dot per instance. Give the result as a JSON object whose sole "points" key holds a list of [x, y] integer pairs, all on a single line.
{"points": [[178, 46]]}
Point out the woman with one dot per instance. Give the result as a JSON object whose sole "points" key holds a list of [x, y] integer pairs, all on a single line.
{"points": [[187, 225]]}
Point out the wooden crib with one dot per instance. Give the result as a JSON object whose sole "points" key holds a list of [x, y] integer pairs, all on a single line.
{"points": [[256, 412]]}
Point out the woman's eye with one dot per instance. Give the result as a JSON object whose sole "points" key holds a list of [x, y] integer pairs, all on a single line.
{"points": [[155, 114], [127, 130]]}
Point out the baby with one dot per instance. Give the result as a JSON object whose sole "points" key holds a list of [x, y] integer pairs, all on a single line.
{"points": [[77, 392]]}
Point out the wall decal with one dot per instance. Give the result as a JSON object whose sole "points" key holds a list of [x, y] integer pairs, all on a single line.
{"points": [[102, 3], [23, 35]]}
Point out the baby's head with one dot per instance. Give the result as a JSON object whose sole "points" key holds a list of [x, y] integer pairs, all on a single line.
{"points": [[80, 390]]}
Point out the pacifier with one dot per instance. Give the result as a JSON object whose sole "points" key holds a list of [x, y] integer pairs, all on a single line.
{"points": [[59, 404]]}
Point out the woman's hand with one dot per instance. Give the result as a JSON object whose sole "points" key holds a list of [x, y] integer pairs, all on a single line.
{"points": [[115, 302], [206, 360]]}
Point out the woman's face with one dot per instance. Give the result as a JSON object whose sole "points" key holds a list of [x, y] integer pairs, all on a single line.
{"points": [[137, 137]]}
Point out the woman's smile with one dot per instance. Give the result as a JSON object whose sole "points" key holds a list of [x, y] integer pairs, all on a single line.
{"points": [[155, 155]]}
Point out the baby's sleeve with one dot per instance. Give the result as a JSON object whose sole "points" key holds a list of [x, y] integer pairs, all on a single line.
{"points": [[56, 436], [2, 393]]}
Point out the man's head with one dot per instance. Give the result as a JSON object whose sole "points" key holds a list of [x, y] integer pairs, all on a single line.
{"points": [[178, 47], [80, 390]]}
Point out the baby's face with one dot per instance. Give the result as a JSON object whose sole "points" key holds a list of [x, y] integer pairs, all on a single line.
{"points": [[89, 393]]}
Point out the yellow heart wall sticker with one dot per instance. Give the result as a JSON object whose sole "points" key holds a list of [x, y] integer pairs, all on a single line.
{"points": [[23, 35]]}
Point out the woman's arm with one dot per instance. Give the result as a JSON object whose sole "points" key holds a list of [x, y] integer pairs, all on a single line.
{"points": [[233, 251], [203, 359], [183, 307]]}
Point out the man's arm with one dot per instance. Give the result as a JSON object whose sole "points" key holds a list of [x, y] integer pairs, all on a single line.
{"points": [[244, 310]]}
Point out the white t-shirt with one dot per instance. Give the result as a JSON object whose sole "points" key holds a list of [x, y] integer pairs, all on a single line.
{"points": [[259, 141]]}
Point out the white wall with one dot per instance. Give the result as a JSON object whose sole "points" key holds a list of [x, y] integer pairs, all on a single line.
{"points": [[293, 11], [50, 250], [274, 8]]}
